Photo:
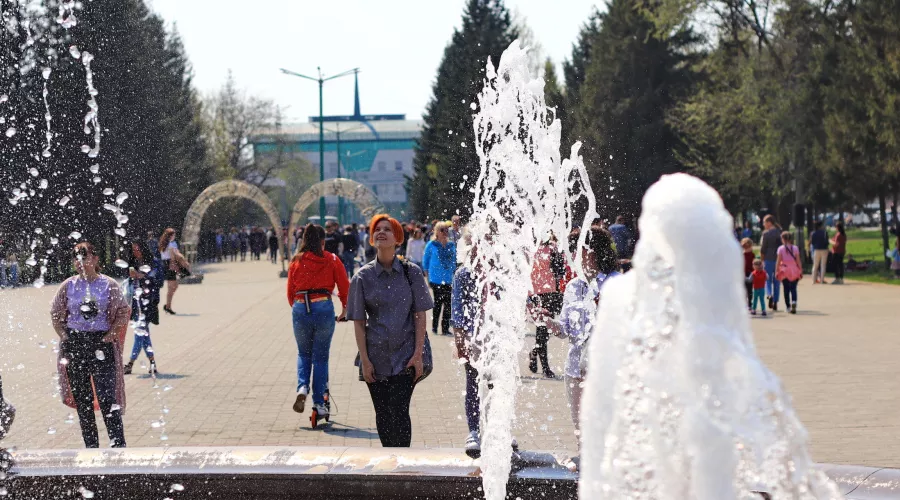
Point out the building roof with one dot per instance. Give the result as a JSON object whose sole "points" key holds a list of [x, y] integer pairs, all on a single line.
{"points": [[349, 130]]}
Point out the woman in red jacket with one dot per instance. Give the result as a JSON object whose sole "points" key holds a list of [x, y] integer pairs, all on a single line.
{"points": [[312, 277]]}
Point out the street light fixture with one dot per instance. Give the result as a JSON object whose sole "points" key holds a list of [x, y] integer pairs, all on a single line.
{"points": [[321, 80], [337, 133]]}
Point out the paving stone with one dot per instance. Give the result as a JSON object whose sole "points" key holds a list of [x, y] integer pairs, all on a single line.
{"points": [[230, 358]]}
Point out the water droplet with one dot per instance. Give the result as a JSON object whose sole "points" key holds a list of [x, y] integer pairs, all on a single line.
{"points": [[20, 366], [63, 361], [70, 419], [43, 184], [31, 261], [120, 231], [51, 430], [167, 388], [95, 168], [33, 171], [64, 201], [472, 106], [74, 52], [85, 148], [3, 98], [176, 487], [96, 180], [122, 219], [45, 73], [108, 191], [85, 493], [115, 408], [144, 269], [54, 240], [463, 144], [100, 356], [75, 235], [11, 131], [163, 437], [121, 198], [121, 263]]}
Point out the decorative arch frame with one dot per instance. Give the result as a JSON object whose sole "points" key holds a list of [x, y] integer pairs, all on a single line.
{"points": [[190, 231], [358, 194]]}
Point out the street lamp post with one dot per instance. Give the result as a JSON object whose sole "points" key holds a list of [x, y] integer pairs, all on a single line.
{"points": [[321, 80]]}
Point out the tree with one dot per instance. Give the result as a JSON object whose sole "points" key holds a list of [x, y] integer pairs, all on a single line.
{"points": [[554, 96], [446, 165], [122, 119], [232, 118], [634, 79], [574, 72]]}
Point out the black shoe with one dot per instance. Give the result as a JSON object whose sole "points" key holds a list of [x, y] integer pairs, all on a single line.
{"points": [[532, 362], [128, 367], [168, 310], [793, 308], [548, 373]]}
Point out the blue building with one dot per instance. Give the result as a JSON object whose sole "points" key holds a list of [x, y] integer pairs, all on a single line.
{"points": [[375, 150]]}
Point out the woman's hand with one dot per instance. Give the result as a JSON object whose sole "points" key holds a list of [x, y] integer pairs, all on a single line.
{"points": [[418, 364], [109, 338], [343, 316], [368, 371]]}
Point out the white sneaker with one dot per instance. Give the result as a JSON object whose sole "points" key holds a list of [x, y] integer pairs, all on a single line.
{"points": [[473, 445], [300, 402], [321, 410]]}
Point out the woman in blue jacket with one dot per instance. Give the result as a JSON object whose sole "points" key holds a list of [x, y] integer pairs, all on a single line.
{"points": [[439, 264]]}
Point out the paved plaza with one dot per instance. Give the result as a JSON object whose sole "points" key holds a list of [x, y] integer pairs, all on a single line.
{"points": [[228, 375]]}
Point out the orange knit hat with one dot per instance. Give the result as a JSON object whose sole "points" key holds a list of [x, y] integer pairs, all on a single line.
{"points": [[396, 228]]}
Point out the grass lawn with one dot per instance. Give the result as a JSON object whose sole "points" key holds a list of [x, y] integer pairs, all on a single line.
{"points": [[867, 246]]}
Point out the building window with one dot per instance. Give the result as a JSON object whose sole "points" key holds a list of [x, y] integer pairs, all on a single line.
{"points": [[382, 166], [398, 166]]}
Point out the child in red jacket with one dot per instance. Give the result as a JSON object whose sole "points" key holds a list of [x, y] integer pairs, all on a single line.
{"points": [[758, 278]]}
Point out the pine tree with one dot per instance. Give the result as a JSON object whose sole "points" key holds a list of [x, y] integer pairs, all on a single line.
{"points": [[634, 79], [554, 97], [150, 140], [446, 165], [574, 71]]}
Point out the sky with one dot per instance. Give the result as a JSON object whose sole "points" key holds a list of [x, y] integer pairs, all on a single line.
{"points": [[397, 44]]}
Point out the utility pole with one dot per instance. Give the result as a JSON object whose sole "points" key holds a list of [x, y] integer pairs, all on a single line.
{"points": [[321, 80]]}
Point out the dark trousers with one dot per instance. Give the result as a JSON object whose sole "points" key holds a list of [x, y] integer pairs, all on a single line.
{"points": [[83, 350], [552, 302], [391, 399], [748, 285], [838, 260], [790, 292], [442, 294], [273, 254], [473, 400]]}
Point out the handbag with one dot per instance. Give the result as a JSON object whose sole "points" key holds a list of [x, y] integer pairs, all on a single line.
{"points": [[427, 356]]}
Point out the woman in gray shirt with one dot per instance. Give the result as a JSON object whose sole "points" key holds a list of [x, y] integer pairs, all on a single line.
{"points": [[388, 302]]}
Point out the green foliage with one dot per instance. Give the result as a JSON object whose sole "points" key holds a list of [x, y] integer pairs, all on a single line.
{"points": [[448, 137], [633, 81], [151, 146]]}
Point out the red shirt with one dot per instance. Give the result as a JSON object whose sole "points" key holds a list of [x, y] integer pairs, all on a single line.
{"points": [[311, 271], [748, 263], [759, 279]]}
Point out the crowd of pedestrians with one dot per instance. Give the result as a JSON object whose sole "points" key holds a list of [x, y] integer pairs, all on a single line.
{"points": [[387, 276]]}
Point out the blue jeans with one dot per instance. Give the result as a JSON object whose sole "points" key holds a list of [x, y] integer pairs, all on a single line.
{"points": [[773, 287], [473, 402], [349, 260], [142, 342], [313, 331]]}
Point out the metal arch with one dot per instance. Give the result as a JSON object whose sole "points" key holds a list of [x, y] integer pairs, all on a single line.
{"points": [[360, 195], [225, 189]]}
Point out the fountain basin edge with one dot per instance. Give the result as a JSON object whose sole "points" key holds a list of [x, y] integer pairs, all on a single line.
{"points": [[322, 473]]}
